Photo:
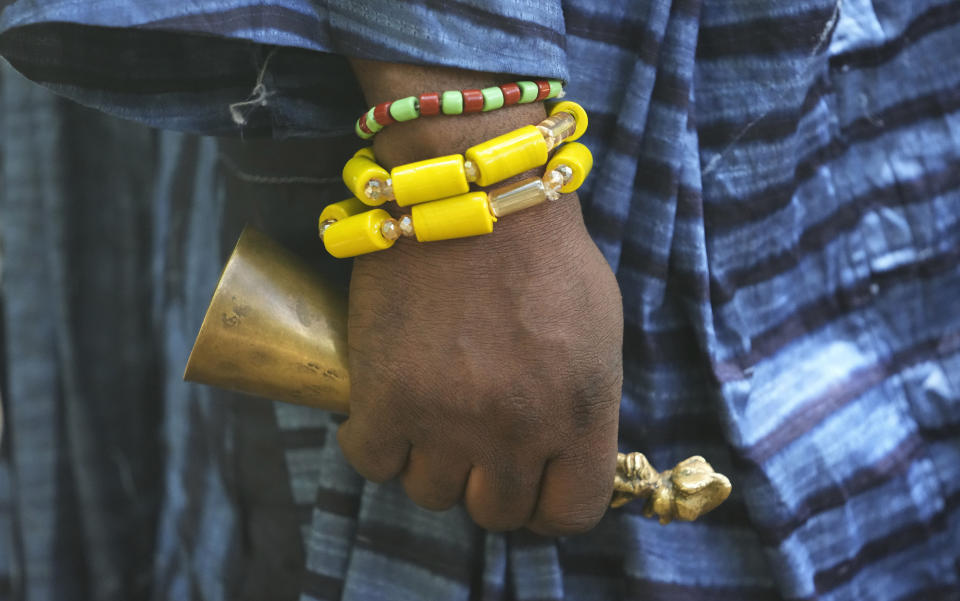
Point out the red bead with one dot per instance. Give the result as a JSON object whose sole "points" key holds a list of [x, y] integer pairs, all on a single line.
{"points": [[472, 101], [511, 93], [381, 114], [544, 89], [429, 104], [362, 122]]}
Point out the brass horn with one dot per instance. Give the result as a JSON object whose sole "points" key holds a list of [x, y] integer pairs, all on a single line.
{"points": [[275, 330]]}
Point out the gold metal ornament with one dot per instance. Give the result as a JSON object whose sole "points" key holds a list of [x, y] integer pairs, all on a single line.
{"points": [[689, 490], [274, 329]]}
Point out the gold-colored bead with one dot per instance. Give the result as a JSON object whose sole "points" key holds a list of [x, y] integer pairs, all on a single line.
{"points": [[517, 197], [557, 128]]}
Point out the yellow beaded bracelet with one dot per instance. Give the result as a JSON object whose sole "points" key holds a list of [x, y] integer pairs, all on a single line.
{"points": [[349, 229], [484, 164]]}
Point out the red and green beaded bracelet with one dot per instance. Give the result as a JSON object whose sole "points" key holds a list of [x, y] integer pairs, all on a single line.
{"points": [[456, 102]]}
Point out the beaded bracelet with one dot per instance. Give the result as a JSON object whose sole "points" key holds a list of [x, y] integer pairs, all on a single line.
{"points": [[484, 164], [350, 228], [439, 189], [455, 102]]}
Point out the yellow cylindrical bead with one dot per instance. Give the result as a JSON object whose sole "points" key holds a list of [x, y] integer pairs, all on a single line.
{"points": [[578, 158], [517, 197], [357, 235], [343, 209], [358, 172], [508, 155], [366, 152], [458, 217], [429, 180], [578, 113]]}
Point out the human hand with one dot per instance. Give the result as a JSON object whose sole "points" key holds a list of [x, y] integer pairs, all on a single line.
{"points": [[485, 369], [489, 369]]}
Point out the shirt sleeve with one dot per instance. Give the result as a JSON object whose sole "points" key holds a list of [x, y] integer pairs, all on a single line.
{"points": [[263, 68]]}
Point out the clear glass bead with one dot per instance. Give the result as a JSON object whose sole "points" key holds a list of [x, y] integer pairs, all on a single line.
{"points": [[553, 179], [548, 137], [406, 226], [326, 224], [373, 188], [390, 229], [552, 182], [377, 189]]}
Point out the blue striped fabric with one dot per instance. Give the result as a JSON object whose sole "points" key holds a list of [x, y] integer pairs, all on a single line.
{"points": [[777, 187]]}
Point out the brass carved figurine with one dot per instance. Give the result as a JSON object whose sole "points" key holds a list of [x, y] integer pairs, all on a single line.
{"points": [[274, 329], [686, 492]]}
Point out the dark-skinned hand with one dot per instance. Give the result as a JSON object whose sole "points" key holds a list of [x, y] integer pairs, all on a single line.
{"points": [[488, 369]]}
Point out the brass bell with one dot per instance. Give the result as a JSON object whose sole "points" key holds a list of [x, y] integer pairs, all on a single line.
{"points": [[274, 330]]}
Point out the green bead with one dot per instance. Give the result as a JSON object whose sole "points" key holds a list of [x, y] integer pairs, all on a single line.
{"points": [[492, 98], [451, 103], [364, 135], [556, 86], [405, 109], [372, 124], [528, 91]]}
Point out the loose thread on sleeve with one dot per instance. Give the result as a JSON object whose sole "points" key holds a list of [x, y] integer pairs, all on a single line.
{"points": [[240, 111]]}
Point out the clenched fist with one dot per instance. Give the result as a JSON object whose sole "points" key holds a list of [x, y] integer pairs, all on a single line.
{"points": [[487, 369]]}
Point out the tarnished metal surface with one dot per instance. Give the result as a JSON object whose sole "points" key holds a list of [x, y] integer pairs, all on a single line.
{"points": [[273, 330]]}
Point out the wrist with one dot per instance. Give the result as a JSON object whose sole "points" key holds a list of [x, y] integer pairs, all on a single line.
{"points": [[554, 229], [440, 135]]}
